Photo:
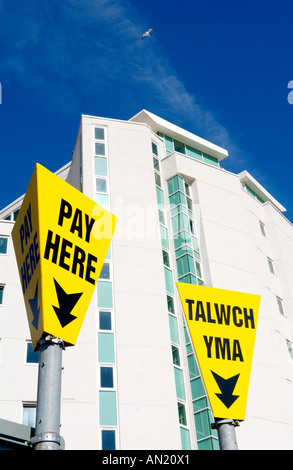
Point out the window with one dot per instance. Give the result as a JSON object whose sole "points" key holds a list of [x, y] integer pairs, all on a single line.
{"points": [[101, 167], [175, 355], [182, 414], [156, 164], [290, 348], [29, 412], [162, 217], [100, 148], [105, 273], [105, 322], [101, 185], [3, 245], [179, 147], [99, 133], [107, 408], [106, 353], [105, 294], [170, 303], [106, 377], [1, 295], [108, 439], [158, 179], [262, 228], [280, 306], [154, 149], [169, 280], [271, 265], [166, 260], [32, 357], [179, 383]]}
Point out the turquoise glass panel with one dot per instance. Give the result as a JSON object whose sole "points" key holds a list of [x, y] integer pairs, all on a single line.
{"points": [[185, 265], [101, 166], [200, 404], [169, 280], [103, 200], [192, 365], [183, 250], [181, 208], [164, 237], [179, 147], [177, 198], [169, 143], [105, 294], [196, 255], [197, 388], [206, 444], [180, 222], [106, 348], [189, 279], [211, 160], [182, 238], [191, 152], [202, 424], [198, 270], [160, 197], [173, 329], [107, 408], [185, 439], [179, 383], [175, 184]]}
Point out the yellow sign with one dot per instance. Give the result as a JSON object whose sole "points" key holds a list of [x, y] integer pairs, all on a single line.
{"points": [[61, 239], [222, 326]]}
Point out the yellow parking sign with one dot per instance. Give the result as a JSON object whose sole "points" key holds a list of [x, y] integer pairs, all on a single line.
{"points": [[222, 326], [61, 238]]}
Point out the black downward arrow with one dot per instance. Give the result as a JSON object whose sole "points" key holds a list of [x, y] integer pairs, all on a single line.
{"points": [[66, 304], [227, 387]]}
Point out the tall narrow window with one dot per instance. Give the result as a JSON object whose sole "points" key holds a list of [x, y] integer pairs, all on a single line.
{"points": [[1, 295], [271, 265], [108, 439], [3, 245], [106, 376], [280, 306], [29, 414], [290, 348], [32, 357], [262, 228]]}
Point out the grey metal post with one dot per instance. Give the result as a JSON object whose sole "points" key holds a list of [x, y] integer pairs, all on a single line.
{"points": [[49, 395], [226, 433]]}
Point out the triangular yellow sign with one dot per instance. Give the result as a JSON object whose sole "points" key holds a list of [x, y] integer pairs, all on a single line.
{"points": [[222, 326], [61, 238]]}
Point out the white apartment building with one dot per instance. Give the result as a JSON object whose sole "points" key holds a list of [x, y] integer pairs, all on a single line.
{"points": [[132, 381]]}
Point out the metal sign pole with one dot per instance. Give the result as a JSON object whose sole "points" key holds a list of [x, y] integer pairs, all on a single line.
{"points": [[226, 433], [49, 395]]}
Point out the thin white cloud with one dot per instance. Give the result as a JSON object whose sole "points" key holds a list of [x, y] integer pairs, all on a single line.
{"points": [[70, 48]]}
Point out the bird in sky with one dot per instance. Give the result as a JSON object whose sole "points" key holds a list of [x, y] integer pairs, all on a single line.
{"points": [[147, 33]]}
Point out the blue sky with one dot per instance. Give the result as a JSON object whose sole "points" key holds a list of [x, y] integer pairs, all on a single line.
{"points": [[218, 68]]}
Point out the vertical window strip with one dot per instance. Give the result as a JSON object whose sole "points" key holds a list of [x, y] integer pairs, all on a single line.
{"points": [[183, 225], [174, 333], [188, 270], [206, 437], [107, 394]]}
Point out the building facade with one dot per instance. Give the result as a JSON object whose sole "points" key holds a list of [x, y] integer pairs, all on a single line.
{"points": [[133, 381]]}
